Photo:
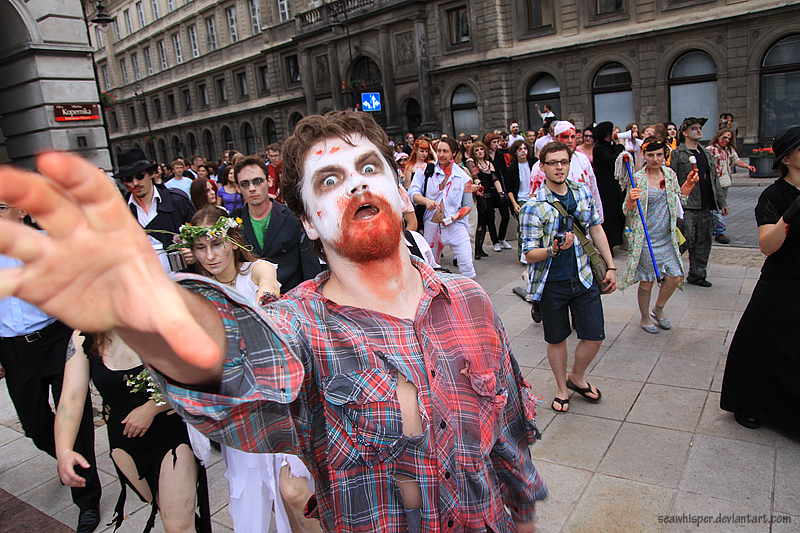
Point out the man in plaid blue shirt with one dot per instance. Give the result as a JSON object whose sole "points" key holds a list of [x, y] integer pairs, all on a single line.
{"points": [[560, 276]]}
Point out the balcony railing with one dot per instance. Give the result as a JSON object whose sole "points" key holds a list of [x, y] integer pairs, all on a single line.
{"points": [[334, 13]]}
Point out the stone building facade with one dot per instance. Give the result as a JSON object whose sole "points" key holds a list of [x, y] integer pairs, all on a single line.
{"points": [[46, 68], [200, 76]]}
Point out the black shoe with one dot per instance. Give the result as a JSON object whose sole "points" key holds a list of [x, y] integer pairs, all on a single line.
{"points": [[455, 262], [536, 312], [722, 239], [484, 254], [478, 257], [747, 421], [699, 282], [88, 520]]}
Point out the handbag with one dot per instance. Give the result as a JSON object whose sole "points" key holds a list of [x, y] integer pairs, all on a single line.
{"points": [[596, 261], [419, 210]]}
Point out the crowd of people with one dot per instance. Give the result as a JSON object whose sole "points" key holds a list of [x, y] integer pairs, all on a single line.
{"points": [[332, 413]]}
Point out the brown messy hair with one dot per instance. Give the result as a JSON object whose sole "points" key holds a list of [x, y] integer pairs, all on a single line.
{"points": [[246, 161], [208, 216], [555, 146], [722, 131], [315, 128]]}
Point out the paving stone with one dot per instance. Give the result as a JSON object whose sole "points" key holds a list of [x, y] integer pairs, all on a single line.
{"points": [[694, 341], [715, 421], [626, 363], [529, 352], [785, 523], [707, 319], [690, 505], [614, 504], [618, 397], [649, 454], [787, 474], [684, 370], [634, 338], [729, 469], [560, 445], [668, 407], [565, 485]]}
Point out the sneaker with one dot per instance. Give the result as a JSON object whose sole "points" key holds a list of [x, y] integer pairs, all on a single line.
{"points": [[88, 520], [722, 239], [505, 245], [497, 247]]}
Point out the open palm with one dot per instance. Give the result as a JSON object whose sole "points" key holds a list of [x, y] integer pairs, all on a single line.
{"points": [[94, 268]]}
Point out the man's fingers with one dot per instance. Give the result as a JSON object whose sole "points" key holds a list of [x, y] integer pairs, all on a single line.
{"points": [[20, 241], [191, 343], [99, 199]]}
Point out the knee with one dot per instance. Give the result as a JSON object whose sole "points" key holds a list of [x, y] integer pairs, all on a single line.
{"points": [[295, 491], [178, 524]]}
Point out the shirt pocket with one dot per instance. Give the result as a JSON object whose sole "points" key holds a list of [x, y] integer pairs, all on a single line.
{"points": [[364, 423], [491, 402]]}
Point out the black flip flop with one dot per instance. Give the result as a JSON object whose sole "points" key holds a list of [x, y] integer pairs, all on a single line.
{"points": [[584, 392], [560, 402]]}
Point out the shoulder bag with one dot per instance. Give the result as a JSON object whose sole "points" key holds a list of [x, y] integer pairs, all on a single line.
{"points": [[596, 261]]}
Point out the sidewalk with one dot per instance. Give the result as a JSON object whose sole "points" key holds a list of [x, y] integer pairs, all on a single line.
{"points": [[658, 444]]}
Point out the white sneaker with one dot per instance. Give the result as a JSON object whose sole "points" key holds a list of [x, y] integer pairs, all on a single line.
{"points": [[505, 245], [497, 247]]}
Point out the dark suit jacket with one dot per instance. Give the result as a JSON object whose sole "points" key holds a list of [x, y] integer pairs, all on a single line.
{"points": [[174, 210], [512, 178], [285, 244]]}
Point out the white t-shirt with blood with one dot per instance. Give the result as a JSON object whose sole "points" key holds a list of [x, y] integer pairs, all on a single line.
{"points": [[580, 171]]}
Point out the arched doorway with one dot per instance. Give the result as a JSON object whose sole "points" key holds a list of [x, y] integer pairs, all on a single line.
{"points": [[176, 147], [544, 90], [208, 141], [270, 131], [464, 108], [162, 151], [227, 138], [613, 95], [413, 114], [780, 78], [365, 77], [693, 89], [294, 118], [151, 150], [249, 137], [192, 142]]}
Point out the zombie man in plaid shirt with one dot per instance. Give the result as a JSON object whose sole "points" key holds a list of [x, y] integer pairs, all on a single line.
{"points": [[394, 383]]}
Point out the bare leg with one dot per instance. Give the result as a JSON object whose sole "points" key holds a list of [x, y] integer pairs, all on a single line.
{"points": [[295, 494], [128, 468], [664, 294], [643, 297], [557, 356], [177, 491], [584, 354]]}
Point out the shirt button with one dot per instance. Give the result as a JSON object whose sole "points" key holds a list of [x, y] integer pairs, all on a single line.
{"points": [[433, 373], [447, 475], [443, 424], [450, 523]]}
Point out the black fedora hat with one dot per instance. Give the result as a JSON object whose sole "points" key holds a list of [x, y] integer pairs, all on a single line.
{"points": [[785, 141], [132, 161]]}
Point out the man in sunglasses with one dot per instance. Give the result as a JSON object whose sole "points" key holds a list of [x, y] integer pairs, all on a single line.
{"points": [[269, 226], [154, 206]]}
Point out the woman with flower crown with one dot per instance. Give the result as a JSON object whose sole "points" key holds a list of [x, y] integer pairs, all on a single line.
{"points": [[257, 481], [149, 443]]}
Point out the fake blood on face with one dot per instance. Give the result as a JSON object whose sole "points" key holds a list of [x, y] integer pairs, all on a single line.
{"points": [[370, 228]]}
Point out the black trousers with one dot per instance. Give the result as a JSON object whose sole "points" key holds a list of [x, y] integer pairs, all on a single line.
{"points": [[500, 203], [34, 371]]}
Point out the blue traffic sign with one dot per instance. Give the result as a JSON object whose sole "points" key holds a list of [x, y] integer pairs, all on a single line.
{"points": [[371, 101]]}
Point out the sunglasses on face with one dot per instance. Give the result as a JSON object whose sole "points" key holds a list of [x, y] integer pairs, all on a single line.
{"points": [[140, 176], [255, 181]]}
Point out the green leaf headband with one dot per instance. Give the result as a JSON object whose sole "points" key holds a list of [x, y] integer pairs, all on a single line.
{"points": [[188, 234]]}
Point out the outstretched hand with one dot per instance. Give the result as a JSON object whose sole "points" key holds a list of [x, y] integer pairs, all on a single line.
{"points": [[94, 268]]}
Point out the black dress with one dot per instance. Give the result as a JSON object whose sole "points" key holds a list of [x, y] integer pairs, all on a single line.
{"points": [[603, 160], [762, 374], [165, 434]]}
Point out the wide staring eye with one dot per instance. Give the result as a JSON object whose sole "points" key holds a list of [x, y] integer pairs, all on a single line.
{"points": [[369, 168], [330, 181]]}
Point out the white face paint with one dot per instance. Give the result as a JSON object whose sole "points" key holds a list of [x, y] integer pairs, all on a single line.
{"points": [[333, 173]]}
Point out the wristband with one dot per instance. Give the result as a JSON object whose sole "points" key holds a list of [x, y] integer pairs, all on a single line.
{"points": [[62, 453], [446, 221]]}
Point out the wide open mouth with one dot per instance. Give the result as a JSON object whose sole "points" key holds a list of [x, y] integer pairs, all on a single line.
{"points": [[366, 212]]}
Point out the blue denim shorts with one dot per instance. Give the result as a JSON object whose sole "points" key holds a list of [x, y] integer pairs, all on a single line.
{"points": [[559, 299]]}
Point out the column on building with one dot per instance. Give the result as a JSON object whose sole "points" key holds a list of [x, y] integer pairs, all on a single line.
{"points": [[387, 73], [307, 78], [336, 76], [423, 72]]}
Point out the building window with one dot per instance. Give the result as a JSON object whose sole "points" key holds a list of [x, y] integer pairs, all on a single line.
{"points": [[294, 118], [171, 104], [458, 20], [693, 88], [230, 15], [544, 90], [128, 22], [143, 108], [255, 17], [124, 68], [540, 13], [283, 10], [211, 30], [156, 14], [292, 69], [613, 96], [132, 115], [135, 64], [176, 43], [113, 120], [241, 81], [270, 131], [187, 100], [191, 140], [162, 151], [202, 94], [222, 90], [193, 41], [780, 77], [99, 35], [227, 138], [263, 75], [116, 29], [249, 138], [170, 5], [208, 141], [157, 107], [464, 107], [162, 54], [148, 60], [607, 7], [177, 150], [106, 78], [140, 13]]}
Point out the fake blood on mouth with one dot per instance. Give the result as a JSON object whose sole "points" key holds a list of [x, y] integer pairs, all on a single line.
{"points": [[372, 235]]}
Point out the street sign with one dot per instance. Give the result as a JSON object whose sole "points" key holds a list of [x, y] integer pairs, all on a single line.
{"points": [[67, 112], [371, 101]]}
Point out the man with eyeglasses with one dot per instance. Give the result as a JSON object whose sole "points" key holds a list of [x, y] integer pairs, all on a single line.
{"points": [[560, 276], [33, 350], [155, 207], [269, 226]]}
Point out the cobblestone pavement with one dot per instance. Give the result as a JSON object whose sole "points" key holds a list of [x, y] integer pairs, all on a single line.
{"points": [[656, 445]]}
